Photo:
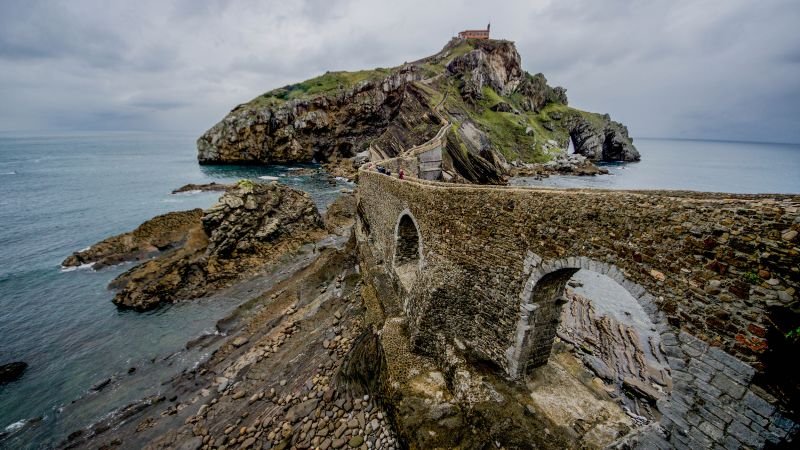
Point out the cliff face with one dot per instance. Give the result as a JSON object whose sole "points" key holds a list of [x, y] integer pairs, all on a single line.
{"points": [[476, 84]]}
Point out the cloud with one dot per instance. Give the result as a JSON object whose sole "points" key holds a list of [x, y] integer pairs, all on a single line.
{"points": [[726, 69]]}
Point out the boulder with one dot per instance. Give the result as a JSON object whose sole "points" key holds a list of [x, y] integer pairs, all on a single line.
{"points": [[12, 371], [603, 140]]}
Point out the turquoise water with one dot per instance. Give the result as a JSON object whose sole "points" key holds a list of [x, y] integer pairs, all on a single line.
{"points": [[62, 194], [711, 166]]}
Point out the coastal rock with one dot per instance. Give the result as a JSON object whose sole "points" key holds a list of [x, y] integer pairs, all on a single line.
{"points": [[203, 187], [341, 213], [332, 125], [345, 119], [602, 139], [561, 164], [250, 226], [159, 234], [12, 371]]}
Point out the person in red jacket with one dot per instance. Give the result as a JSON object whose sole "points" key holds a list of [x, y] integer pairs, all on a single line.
{"points": [[401, 174]]}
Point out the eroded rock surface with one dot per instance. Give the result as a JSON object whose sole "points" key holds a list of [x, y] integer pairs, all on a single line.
{"points": [[159, 234], [604, 140], [250, 226]]}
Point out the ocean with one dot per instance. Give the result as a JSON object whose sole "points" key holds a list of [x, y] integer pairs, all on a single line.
{"points": [[64, 193], [710, 166]]}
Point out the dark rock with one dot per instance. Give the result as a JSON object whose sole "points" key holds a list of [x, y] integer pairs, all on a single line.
{"points": [[203, 187], [101, 384], [502, 107], [606, 142], [12, 371]]}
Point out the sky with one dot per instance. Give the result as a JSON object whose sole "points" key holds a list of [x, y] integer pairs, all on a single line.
{"points": [[708, 69]]}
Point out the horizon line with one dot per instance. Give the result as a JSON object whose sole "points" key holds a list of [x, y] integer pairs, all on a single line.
{"points": [[31, 133]]}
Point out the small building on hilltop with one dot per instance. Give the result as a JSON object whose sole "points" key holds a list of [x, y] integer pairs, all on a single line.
{"points": [[475, 34]]}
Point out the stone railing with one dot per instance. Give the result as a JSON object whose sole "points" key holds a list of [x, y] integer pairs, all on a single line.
{"points": [[688, 258]]}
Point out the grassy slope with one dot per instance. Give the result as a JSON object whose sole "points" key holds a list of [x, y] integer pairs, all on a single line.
{"points": [[506, 130]]}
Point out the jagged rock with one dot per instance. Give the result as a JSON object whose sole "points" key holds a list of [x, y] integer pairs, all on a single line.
{"points": [[608, 141], [202, 187], [249, 227], [537, 93], [495, 64], [161, 233], [323, 128], [343, 123], [12, 371], [502, 107]]}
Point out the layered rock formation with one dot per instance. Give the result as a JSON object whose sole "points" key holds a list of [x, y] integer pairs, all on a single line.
{"points": [[477, 84], [251, 226], [602, 140], [159, 234]]}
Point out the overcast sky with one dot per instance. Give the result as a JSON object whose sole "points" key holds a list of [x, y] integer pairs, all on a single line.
{"points": [[715, 69]]}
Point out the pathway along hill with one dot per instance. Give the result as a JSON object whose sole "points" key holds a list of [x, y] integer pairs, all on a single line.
{"points": [[498, 114]]}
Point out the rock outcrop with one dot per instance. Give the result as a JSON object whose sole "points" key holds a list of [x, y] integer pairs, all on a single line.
{"points": [[561, 164], [603, 140], [12, 371], [344, 118], [334, 125], [494, 64], [202, 187], [252, 225], [159, 234]]}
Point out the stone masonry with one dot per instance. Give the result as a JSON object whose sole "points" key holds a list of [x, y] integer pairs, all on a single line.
{"points": [[705, 267]]}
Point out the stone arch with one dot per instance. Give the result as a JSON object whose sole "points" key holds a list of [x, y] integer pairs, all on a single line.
{"points": [[540, 308], [407, 257]]}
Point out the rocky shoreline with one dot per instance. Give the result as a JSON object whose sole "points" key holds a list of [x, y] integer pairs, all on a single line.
{"points": [[213, 186], [157, 235]]}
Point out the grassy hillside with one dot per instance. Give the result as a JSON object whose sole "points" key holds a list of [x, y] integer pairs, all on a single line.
{"points": [[516, 134]]}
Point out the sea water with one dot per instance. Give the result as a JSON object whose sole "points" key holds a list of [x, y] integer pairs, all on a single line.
{"points": [[710, 166], [61, 194]]}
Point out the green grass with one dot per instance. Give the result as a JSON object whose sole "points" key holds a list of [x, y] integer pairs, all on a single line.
{"points": [[328, 83]]}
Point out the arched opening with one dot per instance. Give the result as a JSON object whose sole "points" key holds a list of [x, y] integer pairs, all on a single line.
{"points": [[407, 250], [592, 355]]}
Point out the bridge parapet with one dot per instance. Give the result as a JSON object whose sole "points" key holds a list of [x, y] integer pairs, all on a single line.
{"points": [[707, 267]]}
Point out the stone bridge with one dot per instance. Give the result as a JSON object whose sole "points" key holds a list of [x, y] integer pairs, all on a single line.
{"points": [[482, 269]]}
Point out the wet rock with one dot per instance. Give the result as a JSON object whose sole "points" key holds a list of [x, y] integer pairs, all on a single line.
{"points": [[203, 187], [12, 371]]}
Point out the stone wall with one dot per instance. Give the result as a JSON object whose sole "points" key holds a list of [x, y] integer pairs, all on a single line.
{"points": [[496, 260]]}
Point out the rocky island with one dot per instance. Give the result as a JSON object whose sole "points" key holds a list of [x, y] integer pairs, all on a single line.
{"points": [[446, 314], [499, 115]]}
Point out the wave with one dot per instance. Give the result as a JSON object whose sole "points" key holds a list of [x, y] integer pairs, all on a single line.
{"points": [[13, 172], [268, 177], [74, 268]]}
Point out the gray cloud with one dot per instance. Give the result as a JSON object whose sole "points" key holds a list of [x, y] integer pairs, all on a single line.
{"points": [[726, 69]]}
